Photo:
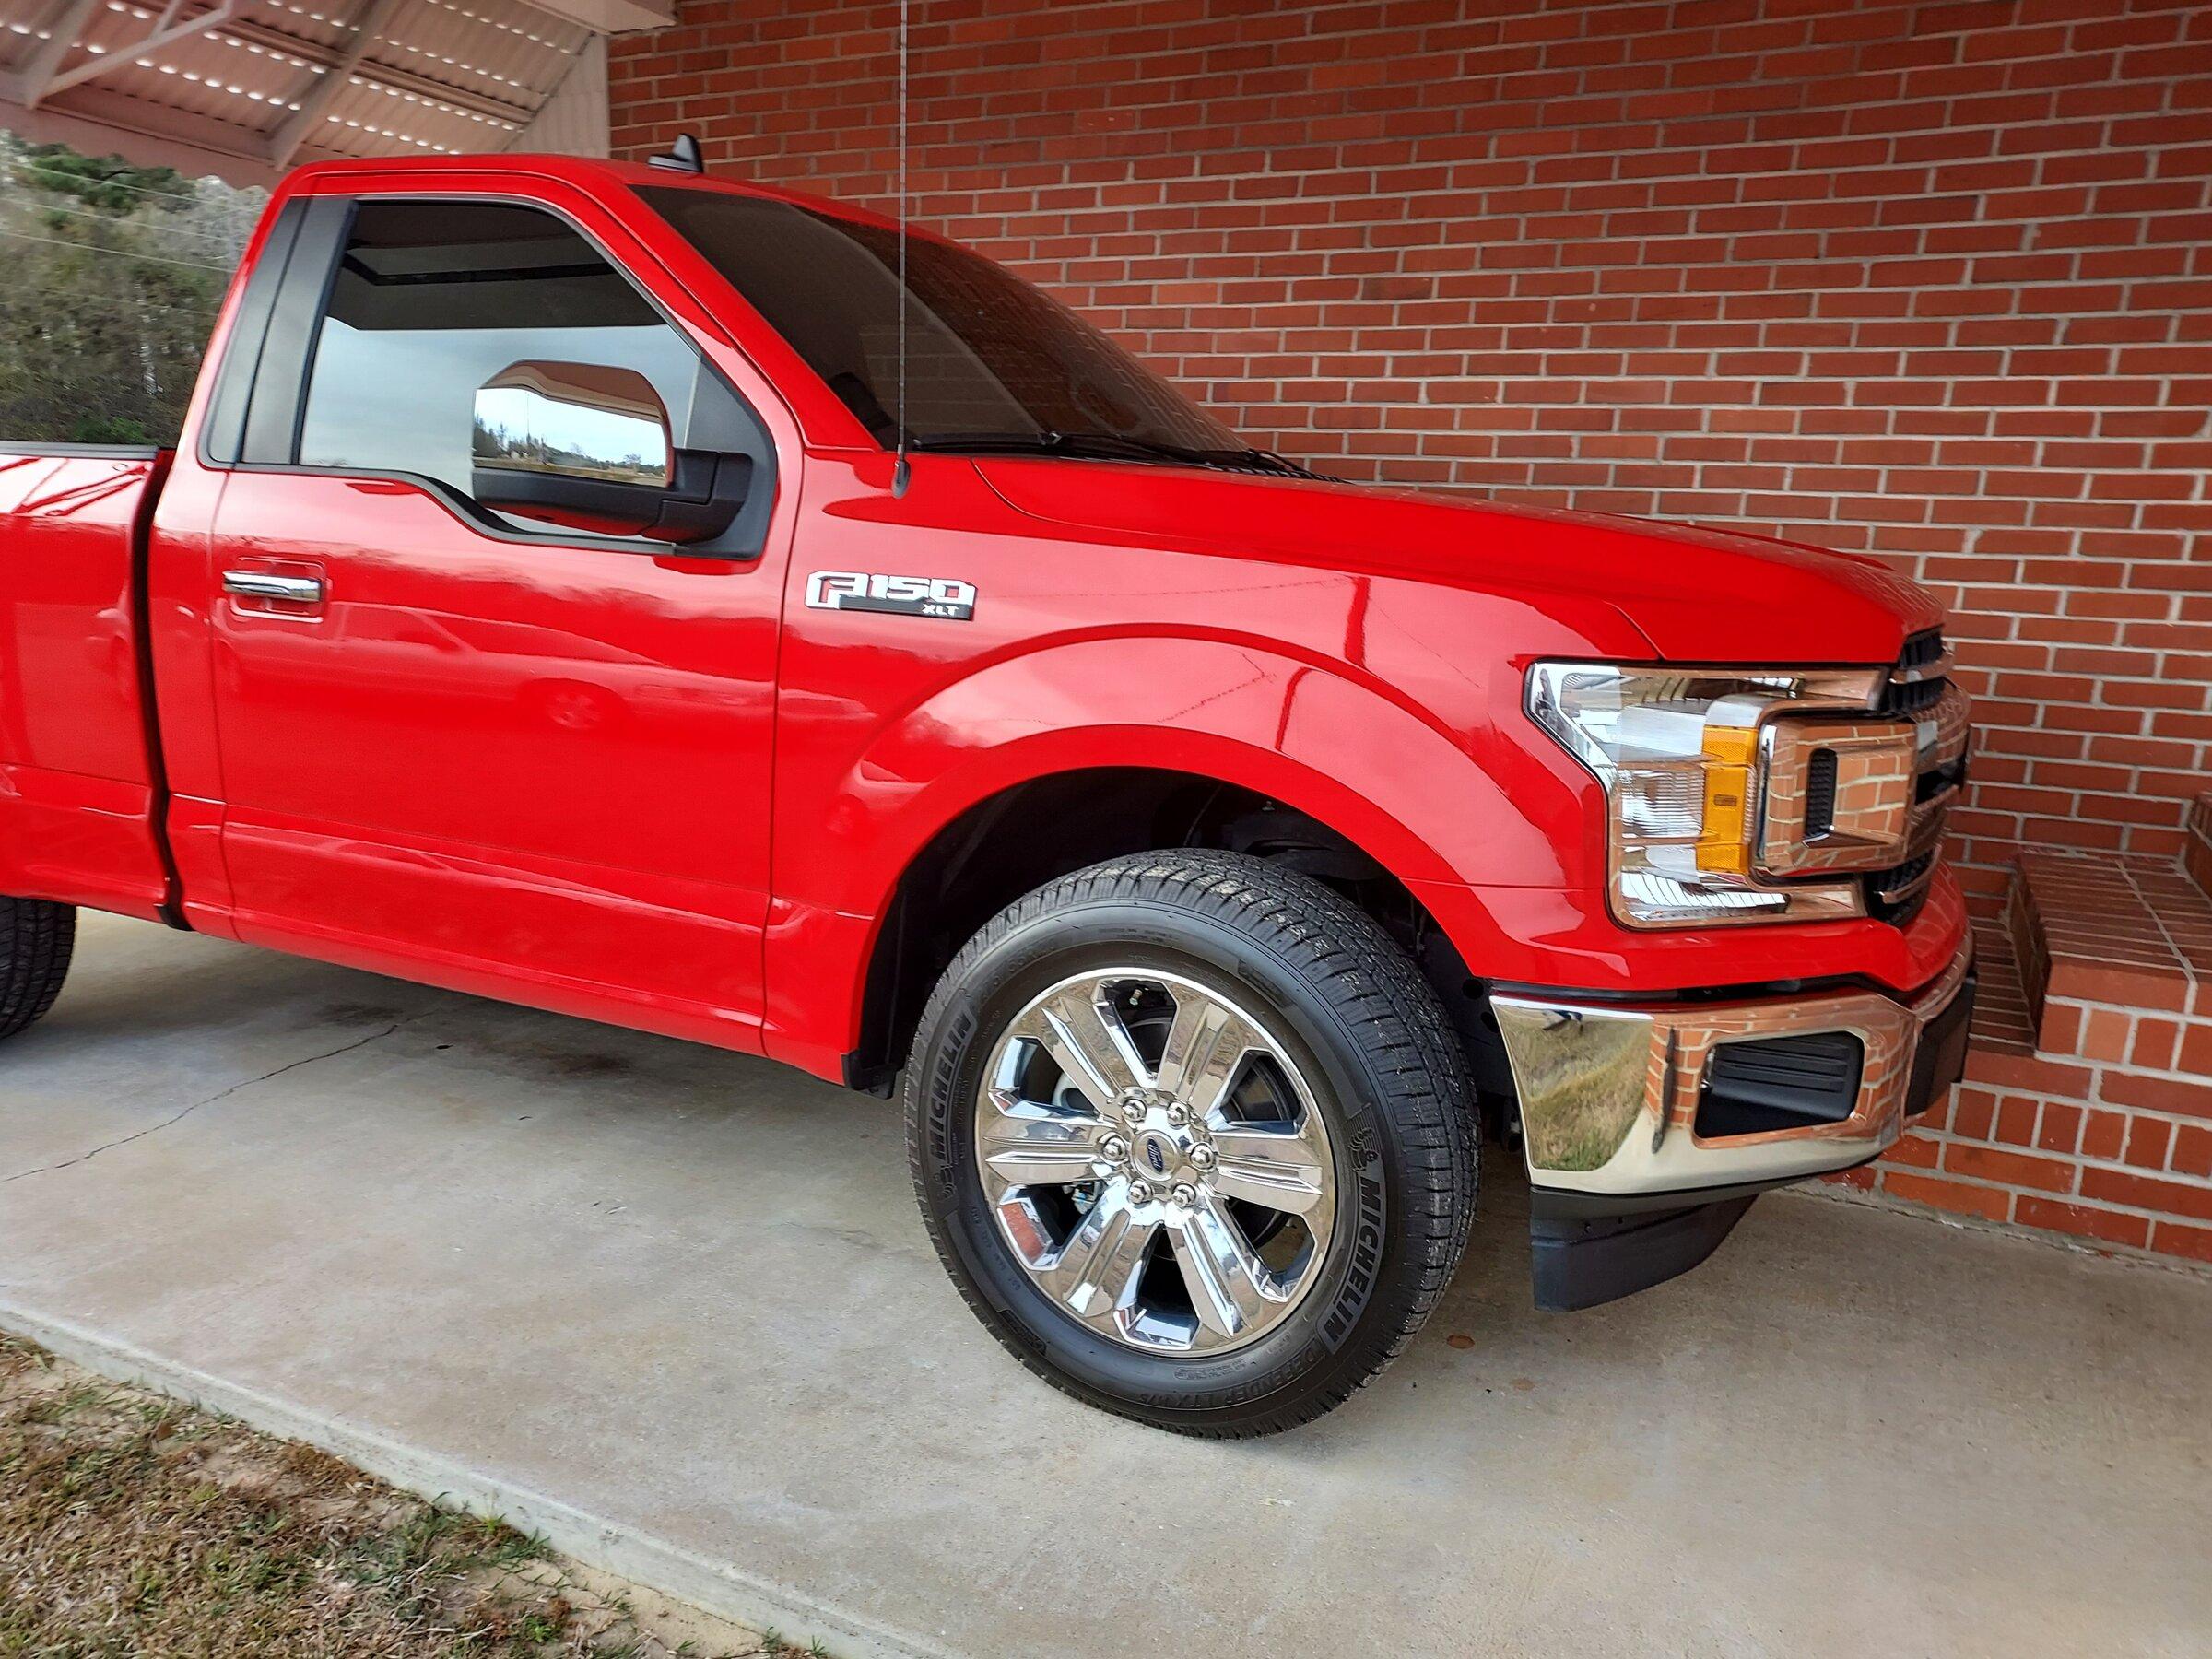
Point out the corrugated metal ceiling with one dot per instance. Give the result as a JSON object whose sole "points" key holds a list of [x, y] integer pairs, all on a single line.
{"points": [[414, 77]]}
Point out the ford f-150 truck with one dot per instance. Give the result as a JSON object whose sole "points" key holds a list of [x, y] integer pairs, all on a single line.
{"points": [[622, 592]]}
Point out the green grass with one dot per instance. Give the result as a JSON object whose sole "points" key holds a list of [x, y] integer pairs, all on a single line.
{"points": [[131, 1527], [1575, 1111]]}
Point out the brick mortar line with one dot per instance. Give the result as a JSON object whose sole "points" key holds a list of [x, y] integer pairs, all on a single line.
{"points": [[1755, 59], [2081, 1160], [1091, 176], [2164, 1171], [1257, 325], [2181, 958], [1548, 377], [2042, 1099], [1993, 1183], [1537, 10], [2134, 1012], [2101, 1205], [1372, 100], [1341, 180], [1799, 375], [1611, 136], [1343, 184], [1718, 406], [2080, 1244], [1076, 226], [1774, 222], [1431, 33], [2120, 1067]]}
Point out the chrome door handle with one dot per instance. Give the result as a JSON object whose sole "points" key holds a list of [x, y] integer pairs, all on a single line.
{"points": [[266, 584]]}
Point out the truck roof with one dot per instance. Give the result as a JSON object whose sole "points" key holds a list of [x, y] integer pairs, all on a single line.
{"points": [[580, 171]]}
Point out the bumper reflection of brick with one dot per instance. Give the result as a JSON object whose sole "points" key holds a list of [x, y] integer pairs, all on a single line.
{"points": [[1610, 1093]]}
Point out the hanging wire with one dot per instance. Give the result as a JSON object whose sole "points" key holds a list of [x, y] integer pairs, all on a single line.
{"points": [[38, 205], [901, 472], [93, 180], [197, 264]]}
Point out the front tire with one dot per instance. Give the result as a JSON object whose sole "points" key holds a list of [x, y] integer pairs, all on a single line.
{"points": [[35, 939], [1193, 1140]]}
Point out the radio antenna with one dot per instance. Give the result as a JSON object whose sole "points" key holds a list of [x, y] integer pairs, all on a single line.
{"points": [[902, 474]]}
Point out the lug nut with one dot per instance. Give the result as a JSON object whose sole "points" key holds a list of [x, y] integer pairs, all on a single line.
{"points": [[1140, 1192], [1179, 1114], [1185, 1194], [1115, 1149], [1202, 1158], [1133, 1108]]}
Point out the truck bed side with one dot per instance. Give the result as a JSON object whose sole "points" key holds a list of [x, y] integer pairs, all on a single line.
{"points": [[80, 780]]}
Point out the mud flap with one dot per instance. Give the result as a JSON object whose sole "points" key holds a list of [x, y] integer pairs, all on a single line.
{"points": [[1581, 1260]]}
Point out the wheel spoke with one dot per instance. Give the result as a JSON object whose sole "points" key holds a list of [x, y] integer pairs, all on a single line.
{"points": [[1095, 1272], [1205, 1051], [1228, 1284], [1225, 1135], [1029, 1145], [1088, 1043], [1280, 1167]]}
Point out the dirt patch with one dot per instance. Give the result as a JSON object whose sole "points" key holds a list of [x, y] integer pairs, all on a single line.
{"points": [[132, 1525]]}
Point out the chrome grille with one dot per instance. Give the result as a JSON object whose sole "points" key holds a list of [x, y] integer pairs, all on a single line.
{"points": [[1919, 689]]}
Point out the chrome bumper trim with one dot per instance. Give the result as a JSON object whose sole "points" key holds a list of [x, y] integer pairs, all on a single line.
{"points": [[1609, 1091]]}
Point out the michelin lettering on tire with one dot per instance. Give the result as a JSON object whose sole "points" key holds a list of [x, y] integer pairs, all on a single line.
{"points": [[1228, 1214]]}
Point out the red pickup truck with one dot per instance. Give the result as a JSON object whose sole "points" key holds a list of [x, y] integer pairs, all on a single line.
{"points": [[609, 589]]}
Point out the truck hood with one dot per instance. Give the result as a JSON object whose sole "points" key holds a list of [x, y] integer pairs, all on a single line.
{"points": [[1698, 596]]}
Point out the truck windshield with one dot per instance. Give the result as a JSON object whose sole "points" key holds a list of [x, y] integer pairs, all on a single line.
{"points": [[990, 361]]}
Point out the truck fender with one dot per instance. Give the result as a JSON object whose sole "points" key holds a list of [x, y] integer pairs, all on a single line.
{"points": [[1351, 755]]}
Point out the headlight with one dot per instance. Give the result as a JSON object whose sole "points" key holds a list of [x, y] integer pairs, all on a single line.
{"points": [[1734, 795]]}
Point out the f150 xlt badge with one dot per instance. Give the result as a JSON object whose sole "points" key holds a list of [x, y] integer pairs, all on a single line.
{"points": [[900, 595]]}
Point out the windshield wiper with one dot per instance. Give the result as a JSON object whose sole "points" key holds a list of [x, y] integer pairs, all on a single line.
{"points": [[1116, 446], [1284, 464]]}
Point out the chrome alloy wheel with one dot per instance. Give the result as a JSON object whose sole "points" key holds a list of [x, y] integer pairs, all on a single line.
{"points": [[1156, 1162]]}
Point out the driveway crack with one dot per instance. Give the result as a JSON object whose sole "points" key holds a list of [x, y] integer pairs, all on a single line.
{"points": [[221, 1094]]}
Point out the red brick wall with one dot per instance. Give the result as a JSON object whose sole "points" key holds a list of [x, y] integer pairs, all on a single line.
{"points": [[2087, 1106], [1932, 280]]}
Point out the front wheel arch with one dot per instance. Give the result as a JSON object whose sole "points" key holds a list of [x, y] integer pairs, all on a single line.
{"points": [[989, 855]]}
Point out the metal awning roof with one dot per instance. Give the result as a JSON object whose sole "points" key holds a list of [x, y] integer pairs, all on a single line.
{"points": [[246, 88]]}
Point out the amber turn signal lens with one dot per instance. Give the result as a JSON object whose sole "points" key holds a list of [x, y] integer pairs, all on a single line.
{"points": [[1725, 844]]}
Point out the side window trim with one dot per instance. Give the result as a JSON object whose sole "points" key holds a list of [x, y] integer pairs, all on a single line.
{"points": [[287, 354], [283, 366], [222, 434]]}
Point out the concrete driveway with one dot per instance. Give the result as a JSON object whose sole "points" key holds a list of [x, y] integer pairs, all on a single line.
{"points": [[677, 1305]]}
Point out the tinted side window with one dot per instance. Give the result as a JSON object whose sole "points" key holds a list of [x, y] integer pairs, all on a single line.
{"points": [[433, 298]]}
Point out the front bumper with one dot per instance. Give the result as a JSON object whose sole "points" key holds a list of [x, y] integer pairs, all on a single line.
{"points": [[1610, 1091], [1625, 1193]]}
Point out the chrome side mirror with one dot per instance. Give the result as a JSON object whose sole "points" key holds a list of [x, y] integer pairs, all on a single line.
{"points": [[588, 448], [573, 420]]}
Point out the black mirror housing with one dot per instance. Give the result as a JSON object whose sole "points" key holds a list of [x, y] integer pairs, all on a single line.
{"points": [[701, 500]]}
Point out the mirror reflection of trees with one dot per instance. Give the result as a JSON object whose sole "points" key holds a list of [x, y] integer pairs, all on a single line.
{"points": [[591, 421], [110, 279], [523, 451]]}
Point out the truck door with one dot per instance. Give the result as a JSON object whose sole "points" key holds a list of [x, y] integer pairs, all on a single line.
{"points": [[515, 755]]}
